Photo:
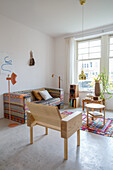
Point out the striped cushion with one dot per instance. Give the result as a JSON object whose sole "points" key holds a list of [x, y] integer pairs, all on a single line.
{"points": [[50, 102]]}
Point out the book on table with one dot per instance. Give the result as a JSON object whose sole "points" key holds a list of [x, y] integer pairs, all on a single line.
{"points": [[87, 98], [95, 113]]}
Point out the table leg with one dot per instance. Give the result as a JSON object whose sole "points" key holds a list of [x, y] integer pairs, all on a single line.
{"points": [[87, 116], [92, 111], [104, 116], [100, 109], [83, 105]]}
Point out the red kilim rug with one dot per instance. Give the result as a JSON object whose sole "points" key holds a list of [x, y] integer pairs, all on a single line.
{"points": [[96, 125]]}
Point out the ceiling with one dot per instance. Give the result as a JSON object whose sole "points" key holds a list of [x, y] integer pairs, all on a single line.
{"points": [[58, 17]]}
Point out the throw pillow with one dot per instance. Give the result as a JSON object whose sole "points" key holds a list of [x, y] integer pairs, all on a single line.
{"points": [[36, 94], [45, 94]]}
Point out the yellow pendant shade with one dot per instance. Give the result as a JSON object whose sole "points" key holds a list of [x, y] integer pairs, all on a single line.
{"points": [[82, 2], [82, 76]]}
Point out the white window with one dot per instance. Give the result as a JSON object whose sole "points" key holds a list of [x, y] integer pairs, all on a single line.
{"points": [[111, 61], [88, 57]]}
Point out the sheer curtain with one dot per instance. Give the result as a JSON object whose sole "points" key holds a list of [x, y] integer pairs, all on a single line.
{"points": [[69, 45]]}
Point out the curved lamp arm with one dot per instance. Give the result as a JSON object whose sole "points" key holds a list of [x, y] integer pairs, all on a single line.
{"points": [[53, 75]]}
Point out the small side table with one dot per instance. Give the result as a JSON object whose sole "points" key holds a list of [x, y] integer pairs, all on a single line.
{"points": [[90, 101], [93, 113]]}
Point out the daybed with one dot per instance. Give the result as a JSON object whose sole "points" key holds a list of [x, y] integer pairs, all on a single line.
{"points": [[18, 102]]}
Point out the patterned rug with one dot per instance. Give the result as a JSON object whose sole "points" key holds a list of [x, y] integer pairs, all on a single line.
{"points": [[96, 126]]}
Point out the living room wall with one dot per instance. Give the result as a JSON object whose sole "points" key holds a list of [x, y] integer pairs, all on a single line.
{"points": [[61, 69], [17, 40]]}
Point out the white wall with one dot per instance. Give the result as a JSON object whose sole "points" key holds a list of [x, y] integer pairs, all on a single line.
{"points": [[60, 61], [17, 40], [60, 69], [60, 64]]}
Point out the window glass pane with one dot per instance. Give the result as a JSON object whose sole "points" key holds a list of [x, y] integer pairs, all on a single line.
{"points": [[84, 56], [94, 49], [111, 53], [111, 40], [91, 69], [83, 51], [111, 71], [111, 47], [82, 45], [94, 43], [95, 55]]}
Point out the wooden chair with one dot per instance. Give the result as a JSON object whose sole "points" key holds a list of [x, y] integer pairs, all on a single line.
{"points": [[50, 117]]}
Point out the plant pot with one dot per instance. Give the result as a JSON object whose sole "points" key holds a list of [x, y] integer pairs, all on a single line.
{"points": [[97, 89], [103, 101]]}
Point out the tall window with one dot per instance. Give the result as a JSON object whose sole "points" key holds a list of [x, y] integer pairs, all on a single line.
{"points": [[111, 60], [88, 56]]}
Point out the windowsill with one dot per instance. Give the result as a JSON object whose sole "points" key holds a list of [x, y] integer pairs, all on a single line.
{"points": [[88, 91], [84, 91]]}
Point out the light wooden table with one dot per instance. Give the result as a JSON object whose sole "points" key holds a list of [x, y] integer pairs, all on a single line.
{"points": [[90, 101], [92, 107]]}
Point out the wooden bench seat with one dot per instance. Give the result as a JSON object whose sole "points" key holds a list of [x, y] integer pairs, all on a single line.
{"points": [[50, 117]]}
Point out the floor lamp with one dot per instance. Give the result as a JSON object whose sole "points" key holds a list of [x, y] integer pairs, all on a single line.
{"points": [[53, 75], [13, 81]]}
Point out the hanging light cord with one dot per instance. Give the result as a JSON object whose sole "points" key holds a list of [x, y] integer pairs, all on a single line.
{"points": [[82, 76], [82, 29]]}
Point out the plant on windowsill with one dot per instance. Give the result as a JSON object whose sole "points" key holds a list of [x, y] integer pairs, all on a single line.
{"points": [[105, 85]]}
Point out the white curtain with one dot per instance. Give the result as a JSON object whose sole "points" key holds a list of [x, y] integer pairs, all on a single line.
{"points": [[69, 45]]}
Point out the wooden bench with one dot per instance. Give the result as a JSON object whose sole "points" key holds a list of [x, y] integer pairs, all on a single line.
{"points": [[50, 117]]}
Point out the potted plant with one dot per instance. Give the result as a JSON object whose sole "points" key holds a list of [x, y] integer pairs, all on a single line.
{"points": [[104, 82]]}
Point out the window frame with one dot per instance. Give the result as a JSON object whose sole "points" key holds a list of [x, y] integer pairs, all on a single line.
{"points": [[110, 57], [88, 59]]}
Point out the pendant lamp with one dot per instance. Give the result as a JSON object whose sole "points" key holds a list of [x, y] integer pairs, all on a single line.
{"points": [[82, 76]]}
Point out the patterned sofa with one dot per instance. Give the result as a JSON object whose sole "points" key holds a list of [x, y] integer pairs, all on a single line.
{"points": [[18, 102]]}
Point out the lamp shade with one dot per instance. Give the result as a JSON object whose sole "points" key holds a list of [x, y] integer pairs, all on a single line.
{"points": [[82, 76], [82, 2], [13, 78]]}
